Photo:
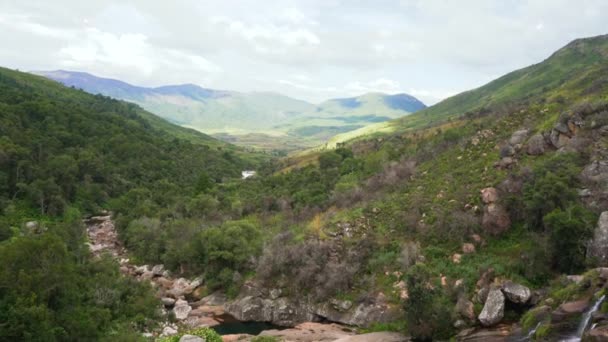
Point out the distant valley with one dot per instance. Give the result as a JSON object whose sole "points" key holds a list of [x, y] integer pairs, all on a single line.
{"points": [[263, 120]]}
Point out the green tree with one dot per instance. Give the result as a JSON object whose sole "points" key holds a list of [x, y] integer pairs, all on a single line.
{"points": [[328, 160], [569, 230], [427, 308]]}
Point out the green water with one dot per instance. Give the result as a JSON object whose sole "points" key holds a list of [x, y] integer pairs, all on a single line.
{"points": [[233, 326]]}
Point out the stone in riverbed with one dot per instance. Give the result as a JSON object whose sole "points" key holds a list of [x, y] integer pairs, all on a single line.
{"points": [[181, 309], [191, 338], [167, 301], [493, 309], [158, 270], [516, 293], [569, 309]]}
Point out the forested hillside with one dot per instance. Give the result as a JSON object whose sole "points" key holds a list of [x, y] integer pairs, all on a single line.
{"points": [[65, 154]]}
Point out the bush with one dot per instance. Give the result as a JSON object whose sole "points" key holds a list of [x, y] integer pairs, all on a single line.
{"points": [[552, 187], [227, 249], [427, 309], [208, 334], [569, 230]]}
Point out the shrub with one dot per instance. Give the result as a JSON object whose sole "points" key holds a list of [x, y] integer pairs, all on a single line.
{"points": [[552, 187], [427, 309], [208, 334], [569, 230], [227, 249]]}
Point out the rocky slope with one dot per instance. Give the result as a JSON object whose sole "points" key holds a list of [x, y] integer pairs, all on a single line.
{"points": [[183, 299]]}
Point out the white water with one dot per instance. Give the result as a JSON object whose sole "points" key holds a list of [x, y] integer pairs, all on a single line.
{"points": [[531, 332], [582, 327]]}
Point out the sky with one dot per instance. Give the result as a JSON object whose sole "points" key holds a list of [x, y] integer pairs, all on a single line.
{"points": [[311, 49]]}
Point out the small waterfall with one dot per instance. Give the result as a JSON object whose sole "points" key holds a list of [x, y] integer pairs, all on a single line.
{"points": [[582, 327], [531, 332]]}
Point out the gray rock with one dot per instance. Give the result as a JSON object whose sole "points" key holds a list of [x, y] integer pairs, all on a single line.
{"points": [[495, 219], [376, 337], [465, 308], [596, 172], [31, 225], [518, 137], [158, 270], [167, 301], [516, 293], [282, 311], [489, 195], [584, 193], [275, 293], [341, 305], [169, 330], [181, 309], [536, 145], [494, 308], [459, 324], [362, 314], [559, 139], [191, 338], [598, 249], [561, 127], [577, 279], [139, 270]]}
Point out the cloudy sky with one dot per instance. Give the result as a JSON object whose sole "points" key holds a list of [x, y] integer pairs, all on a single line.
{"points": [[308, 49]]}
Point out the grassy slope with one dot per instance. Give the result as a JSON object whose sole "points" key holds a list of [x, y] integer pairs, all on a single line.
{"points": [[573, 72]]}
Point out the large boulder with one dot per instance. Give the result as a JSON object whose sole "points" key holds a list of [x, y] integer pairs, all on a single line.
{"points": [[598, 248], [181, 309], [495, 219], [191, 338], [282, 311], [516, 293], [596, 172], [309, 331], [559, 140], [536, 145], [363, 314], [569, 309], [158, 270], [465, 308], [489, 195], [494, 308], [518, 137]]}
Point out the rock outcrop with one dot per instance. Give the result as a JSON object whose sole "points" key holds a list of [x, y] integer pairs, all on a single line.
{"points": [[493, 309], [255, 304], [516, 293], [598, 248], [536, 145], [569, 309], [495, 217]]}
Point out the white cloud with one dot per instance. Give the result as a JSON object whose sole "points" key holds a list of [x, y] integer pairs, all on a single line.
{"points": [[128, 51], [316, 48]]}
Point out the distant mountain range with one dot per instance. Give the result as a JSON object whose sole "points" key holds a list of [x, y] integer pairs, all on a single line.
{"points": [[232, 115]]}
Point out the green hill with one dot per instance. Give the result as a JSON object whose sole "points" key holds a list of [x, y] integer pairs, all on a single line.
{"points": [[262, 120], [576, 71], [65, 154]]}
